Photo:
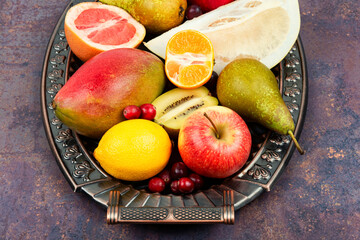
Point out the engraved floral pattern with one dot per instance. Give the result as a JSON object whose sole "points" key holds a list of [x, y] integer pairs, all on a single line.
{"points": [[83, 170], [54, 89], [64, 137], [292, 106], [259, 172], [61, 34], [58, 59], [279, 139], [292, 91], [293, 77], [72, 152], [292, 62], [270, 156], [56, 122], [62, 45], [56, 73]]}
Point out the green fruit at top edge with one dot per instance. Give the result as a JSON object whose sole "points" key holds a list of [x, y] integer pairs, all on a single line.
{"points": [[250, 88], [157, 16]]}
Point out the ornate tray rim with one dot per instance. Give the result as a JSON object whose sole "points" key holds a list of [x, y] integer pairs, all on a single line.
{"points": [[83, 174]]}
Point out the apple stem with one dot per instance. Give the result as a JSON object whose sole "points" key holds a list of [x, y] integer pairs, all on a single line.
{"points": [[298, 147], [212, 123]]}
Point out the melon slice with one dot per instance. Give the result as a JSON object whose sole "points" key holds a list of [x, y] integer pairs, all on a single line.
{"points": [[261, 29]]}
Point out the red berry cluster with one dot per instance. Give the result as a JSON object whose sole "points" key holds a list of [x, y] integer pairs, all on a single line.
{"points": [[177, 179], [145, 111]]}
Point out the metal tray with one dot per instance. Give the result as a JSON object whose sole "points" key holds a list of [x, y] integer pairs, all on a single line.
{"points": [[270, 155]]}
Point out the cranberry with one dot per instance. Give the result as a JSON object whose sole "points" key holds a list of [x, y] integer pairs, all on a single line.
{"points": [[186, 185], [132, 112], [193, 11], [165, 175], [179, 170], [174, 186], [156, 184], [148, 111], [198, 180]]}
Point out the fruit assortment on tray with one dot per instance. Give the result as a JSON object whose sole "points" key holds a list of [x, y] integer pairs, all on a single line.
{"points": [[178, 122]]}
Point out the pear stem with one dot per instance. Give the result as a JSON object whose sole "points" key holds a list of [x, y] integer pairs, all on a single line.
{"points": [[212, 123], [298, 147]]}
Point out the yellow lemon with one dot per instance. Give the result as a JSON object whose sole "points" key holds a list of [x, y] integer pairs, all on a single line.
{"points": [[134, 150]]}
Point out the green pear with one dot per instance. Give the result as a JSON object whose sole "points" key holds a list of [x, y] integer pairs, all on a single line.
{"points": [[157, 16], [250, 88]]}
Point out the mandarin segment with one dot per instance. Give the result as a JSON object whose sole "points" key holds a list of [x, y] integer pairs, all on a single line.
{"points": [[173, 68], [191, 75], [190, 41]]}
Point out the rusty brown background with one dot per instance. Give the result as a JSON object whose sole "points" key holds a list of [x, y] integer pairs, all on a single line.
{"points": [[317, 197]]}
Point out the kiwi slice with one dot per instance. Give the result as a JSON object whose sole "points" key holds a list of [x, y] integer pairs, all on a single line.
{"points": [[174, 106]]}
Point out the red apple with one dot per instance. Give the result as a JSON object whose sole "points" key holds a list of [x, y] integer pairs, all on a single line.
{"points": [[214, 142], [208, 5]]}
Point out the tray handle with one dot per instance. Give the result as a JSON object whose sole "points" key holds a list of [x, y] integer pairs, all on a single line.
{"points": [[120, 214]]}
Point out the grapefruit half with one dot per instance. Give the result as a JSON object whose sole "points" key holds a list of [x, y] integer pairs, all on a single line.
{"points": [[93, 27], [261, 29]]}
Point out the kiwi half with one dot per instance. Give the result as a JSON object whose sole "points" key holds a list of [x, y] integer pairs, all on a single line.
{"points": [[174, 106]]}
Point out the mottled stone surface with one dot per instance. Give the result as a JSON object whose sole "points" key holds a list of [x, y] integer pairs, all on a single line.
{"points": [[317, 197]]}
